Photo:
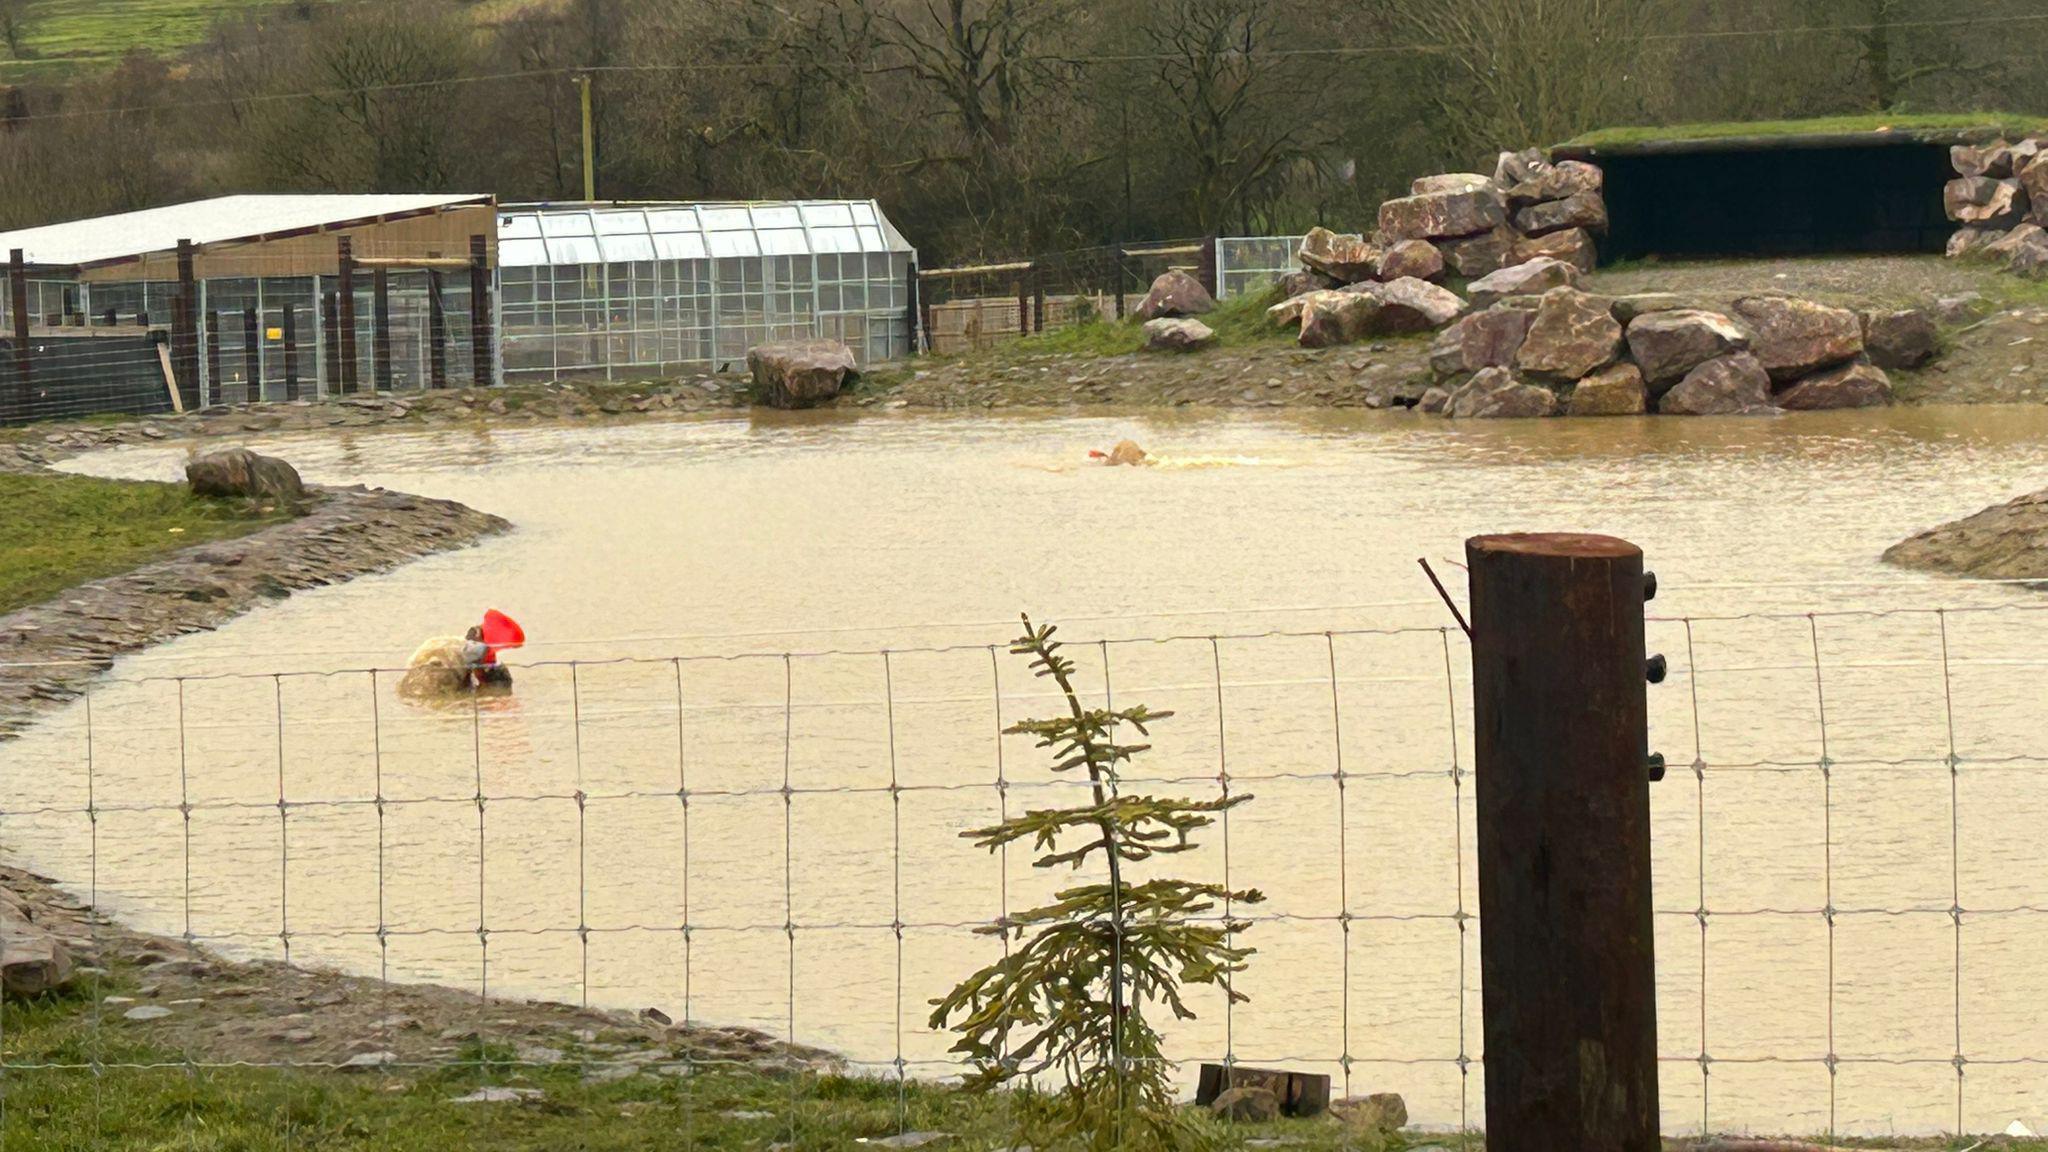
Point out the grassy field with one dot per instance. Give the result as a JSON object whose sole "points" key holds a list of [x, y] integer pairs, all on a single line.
{"points": [[61, 530], [61, 34], [2005, 122]]}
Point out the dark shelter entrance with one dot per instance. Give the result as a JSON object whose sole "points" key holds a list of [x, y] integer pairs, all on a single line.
{"points": [[1868, 192]]}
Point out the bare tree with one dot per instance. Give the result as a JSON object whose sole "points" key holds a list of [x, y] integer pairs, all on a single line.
{"points": [[14, 26]]}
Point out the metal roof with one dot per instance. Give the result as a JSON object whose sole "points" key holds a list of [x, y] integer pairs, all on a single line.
{"points": [[128, 235], [538, 235]]}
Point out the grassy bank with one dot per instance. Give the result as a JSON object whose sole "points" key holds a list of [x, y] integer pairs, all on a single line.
{"points": [[1938, 124], [63, 530]]}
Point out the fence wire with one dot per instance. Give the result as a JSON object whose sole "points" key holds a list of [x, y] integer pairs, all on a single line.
{"points": [[609, 837]]}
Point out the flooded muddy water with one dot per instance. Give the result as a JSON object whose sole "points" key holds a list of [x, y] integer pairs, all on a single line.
{"points": [[766, 679]]}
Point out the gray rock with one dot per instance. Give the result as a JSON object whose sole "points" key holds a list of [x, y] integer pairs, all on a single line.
{"points": [[2034, 179], [1437, 215], [2002, 246], [1486, 339], [363, 1061], [145, 1013], [1728, 385], [1993, 160], [1793, 337], [1961, 308], [497, 1096], [1247, 1103], [1412, 258], [1667, 345], [2030, 260], [1985, 202], [1304, 280], [1513, 168], [1174, 293], [1495, 393], [904, 1139], [1450, 182], [1616, 390], [298, 1036], [1332, 318], [1586, 210], [656, 1016], [1381, 1112], [1559, 181], [1344, 257], [1174, 334], [1627, 308], [1433, 401], [1906, 338], [799, 373], [610, 1073], [1532, 278], [1572, 334], [1476, 255], [1852, 385], [1412, 305], [537, 1054], [238, 472], [1574, 246]]}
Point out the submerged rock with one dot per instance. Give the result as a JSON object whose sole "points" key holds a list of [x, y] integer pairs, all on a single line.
{"points": [[238, 472], [2006, 541]]}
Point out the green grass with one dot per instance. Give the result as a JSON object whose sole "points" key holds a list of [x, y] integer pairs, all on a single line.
{"points": [[1936, 123], [1238, 322], [63, 530], [102, 30]]}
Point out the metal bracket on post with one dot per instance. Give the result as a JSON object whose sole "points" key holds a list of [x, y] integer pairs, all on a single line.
{"points": [[1568, 968]]}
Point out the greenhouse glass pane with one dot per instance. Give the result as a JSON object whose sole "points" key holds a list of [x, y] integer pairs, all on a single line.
{"points": [[521, 227], [671, 220], [566, 224], [871, 239], [521, 253], [828, 216], [733, 244], [620, 221], [679, 245], [574, 250], [627, 248], [726, 220], [835, 240], [778, 241], [863, 213], [777, 216]]}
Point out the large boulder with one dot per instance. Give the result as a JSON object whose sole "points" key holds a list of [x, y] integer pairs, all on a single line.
{"points": [[1574, 246], [1433, 400], [1533, 278], [32, 962], [2030, 259], [1851, 385], [1380, 1114], [1792, 337], [799, 373], [1411, 305], [1628, 307], [1417, 258], [1177, 334], [1495, 393], [1667, 345], [1288, 312], [1337, 317], [238, 472], [1559, 181], [1985, 202], [1450, 182], [1344, 257], [1434, 215], [2034, 180], [1513, 168], [1246, 1104], [1486, 339], [2009, 244], [1970, 241], [1572, 334], [1735, 384], [1993, 160], [1304, 280], [1906, 338], [1174, 293], [1476, 255], [1616, 390], [1586, 210]]}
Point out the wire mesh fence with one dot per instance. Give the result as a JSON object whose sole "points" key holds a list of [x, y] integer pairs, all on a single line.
{"points": [[1851, 900]]}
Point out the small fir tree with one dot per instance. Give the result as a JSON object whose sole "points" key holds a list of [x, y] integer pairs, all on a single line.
{"points": [[1068, 1004]]}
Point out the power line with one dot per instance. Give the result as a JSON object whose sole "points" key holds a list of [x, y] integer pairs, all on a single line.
{"points": [[1083, 60]]}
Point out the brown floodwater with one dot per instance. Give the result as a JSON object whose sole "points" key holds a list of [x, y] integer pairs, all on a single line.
{"points": [[706, 732]]}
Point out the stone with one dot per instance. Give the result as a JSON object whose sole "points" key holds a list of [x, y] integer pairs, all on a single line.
{"points": [[2002, 246], [1726, 385], [1411, 305], [1574, 246], [1627, 308], [1586, 210], [1616, 390], [1984, 201], [1304, 280], [298, 1036], [537, 1054], [1906, 338], [1332, 318], [1486, 339], [1174, 293], [2034, 179], [1970, 241], [1792, 337], [363, 1061], [1993, 160], [1413, 258], [2030, 260], [1289, 311], [1382, 1112], [1532, 278], [1667, 345], [32, 962], [1961, 308], [1513, 168], [146, 1013], [904, 1140], [1436, 215], [1450, 182], [1473, 256], [1248, 1103], [497, 1096], [1344, 257], [1177, 334], [1572, 334], [799, 373], [611, 1073], [1495, 393], [238, 472], [656, 1017], [1433, 400], [1560, 181], [1851, 385]]}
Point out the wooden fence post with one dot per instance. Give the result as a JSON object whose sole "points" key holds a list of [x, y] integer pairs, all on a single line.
{"points": [[1037, 299], [291, 351], [912, 310], [1206, 272], [185, 328], [437, 332], [330, 338], [1116, 259], [1561, 780], [345, 310], [480, 367], [380, 327], [1023, 306], [252, 354], [17, 292]]}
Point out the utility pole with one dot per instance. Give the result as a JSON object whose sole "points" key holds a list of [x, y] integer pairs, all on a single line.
{"points": [[589, 145]]}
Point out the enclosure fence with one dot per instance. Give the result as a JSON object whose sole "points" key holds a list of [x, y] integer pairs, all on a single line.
{"points": [[1852, 895]]}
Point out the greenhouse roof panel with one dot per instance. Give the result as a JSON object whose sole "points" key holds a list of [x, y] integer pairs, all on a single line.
{"points": [[686, 231]]}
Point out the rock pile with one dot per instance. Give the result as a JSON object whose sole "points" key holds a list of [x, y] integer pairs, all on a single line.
{"points": [[1572, 352], [1999, 199]]}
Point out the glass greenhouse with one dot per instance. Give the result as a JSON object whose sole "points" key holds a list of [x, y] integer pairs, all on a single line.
{"points": [[646, 289]]}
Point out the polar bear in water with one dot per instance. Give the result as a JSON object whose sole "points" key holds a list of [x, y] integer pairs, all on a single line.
{"points": [[450, 666], [1125, 452]]}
